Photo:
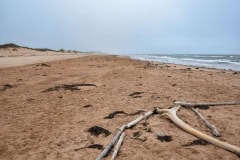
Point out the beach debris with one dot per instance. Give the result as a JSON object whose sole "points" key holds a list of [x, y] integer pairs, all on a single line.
{"points": [[136, 134], [97, 146], [238, 155], [87, 106], [150, 65], [43, 65], [135, 94], [30, 99], [137, 113], [120, 131], [197, 105], [196, 142], [117, 147], [70, 87], [96, 131], [207, 124], [146, 127], [164, 138], [174, 84], [171, 113], [92, 146], [113, 114], [6, 86]]}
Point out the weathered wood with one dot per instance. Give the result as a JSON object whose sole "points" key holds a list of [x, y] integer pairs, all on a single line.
{"points": [[111, 144], [117, 147], [188, 104], [144, 116], [120, 130], [209, 125], [171, 113]]}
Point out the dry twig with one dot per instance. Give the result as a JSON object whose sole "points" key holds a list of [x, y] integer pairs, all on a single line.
{"points": [[120, 130], [209, 125], [187, 104], [117, 147]]}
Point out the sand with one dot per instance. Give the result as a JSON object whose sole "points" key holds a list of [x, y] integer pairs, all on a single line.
{"points": [[46, 109], [12, 57]]}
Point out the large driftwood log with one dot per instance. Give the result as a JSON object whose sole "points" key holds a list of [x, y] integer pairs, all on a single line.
{"points": [[171, 113], [117, 147], [187, 104], [120, 131], [209, 125]]}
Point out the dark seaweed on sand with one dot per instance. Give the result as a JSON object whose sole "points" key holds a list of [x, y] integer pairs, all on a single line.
{"points": [[164, 138], [70, 87], [97, 146], [238, 155], [113, 114], [43, 65], [96, 131], [92, 146], [196, 142], [135, 94], [136, 113], [87, 106], [6, 86]]}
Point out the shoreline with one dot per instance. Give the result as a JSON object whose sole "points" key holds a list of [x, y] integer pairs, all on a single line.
{"points": [[180, 65], [192, 65], [12, 57], [17, 61]]}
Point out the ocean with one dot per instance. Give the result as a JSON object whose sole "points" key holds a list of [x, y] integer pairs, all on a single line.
{"points": [[228, 62]]}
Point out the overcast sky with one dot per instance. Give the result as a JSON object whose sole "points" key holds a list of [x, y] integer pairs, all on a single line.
{"points": [[124, 26]]}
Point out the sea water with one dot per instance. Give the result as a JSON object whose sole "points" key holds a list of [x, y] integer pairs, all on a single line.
{"points": [[229, 62]]}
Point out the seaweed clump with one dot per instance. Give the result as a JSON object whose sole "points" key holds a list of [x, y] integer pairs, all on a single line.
{"points": [[96, 131], [196, 142], [113, 114], [70, 87], [164, 138]]}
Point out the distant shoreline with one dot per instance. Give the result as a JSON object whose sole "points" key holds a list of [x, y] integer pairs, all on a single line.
{"points": [[222, 62]]}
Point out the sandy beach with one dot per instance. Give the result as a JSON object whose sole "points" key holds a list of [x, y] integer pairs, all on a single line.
{"points": [[48, 108]]}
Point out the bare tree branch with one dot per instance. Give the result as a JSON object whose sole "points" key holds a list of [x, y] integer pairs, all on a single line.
{"points": [[209, 125], [187, 104], [171, 113], [117, 147], [120, 130]]}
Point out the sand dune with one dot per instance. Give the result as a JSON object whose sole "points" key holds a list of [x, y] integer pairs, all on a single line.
{"points": [[18, 56]]}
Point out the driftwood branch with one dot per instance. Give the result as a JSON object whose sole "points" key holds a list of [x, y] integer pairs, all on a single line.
{"points": [[188, 104], [209, 125], [144, 116], [171, 113], [117, 147], [120, 131]]}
